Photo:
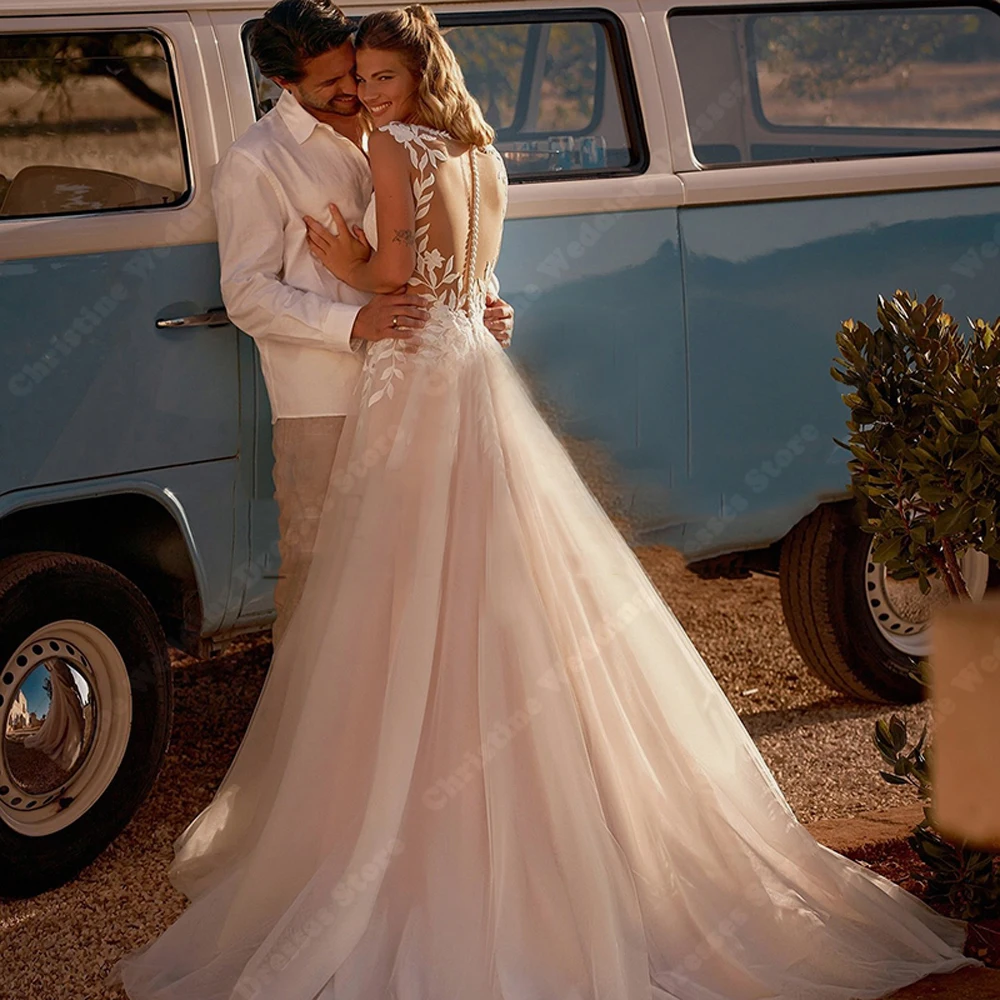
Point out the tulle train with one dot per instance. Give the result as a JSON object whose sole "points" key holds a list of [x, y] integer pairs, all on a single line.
{"points": [[489, 764]]}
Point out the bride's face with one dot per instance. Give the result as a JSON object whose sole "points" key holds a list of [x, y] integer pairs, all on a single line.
{"points": [[386, 86]]}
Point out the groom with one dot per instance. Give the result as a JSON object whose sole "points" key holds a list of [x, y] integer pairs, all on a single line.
{"points": [[308, 325]]}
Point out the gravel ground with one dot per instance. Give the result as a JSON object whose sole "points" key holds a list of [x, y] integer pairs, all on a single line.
{"points": [[60, 945]]}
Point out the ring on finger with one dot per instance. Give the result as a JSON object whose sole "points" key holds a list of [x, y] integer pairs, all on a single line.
{"points": [[395, 322]]}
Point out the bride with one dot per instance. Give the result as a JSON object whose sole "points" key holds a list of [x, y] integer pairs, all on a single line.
{"points": [[487, 762]]}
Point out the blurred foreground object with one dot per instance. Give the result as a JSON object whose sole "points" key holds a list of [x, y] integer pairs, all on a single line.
{"points": [[965, 691]]}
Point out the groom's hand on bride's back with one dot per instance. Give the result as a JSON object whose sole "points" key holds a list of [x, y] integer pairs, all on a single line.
{"points": [[395, 315], [402, 316], [499, 319]]}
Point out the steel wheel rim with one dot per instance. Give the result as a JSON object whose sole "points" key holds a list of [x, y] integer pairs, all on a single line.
{"points": [[902, 614], [65, 720]]}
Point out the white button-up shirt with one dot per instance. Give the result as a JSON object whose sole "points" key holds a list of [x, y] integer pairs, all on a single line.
{"points": [[286, 166]]}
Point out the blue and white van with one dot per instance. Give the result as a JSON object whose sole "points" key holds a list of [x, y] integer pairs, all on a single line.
{"points": [[701, 193]]}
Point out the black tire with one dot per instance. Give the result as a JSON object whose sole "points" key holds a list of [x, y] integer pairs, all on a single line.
{"points": [[822, 577], [38, 588]]}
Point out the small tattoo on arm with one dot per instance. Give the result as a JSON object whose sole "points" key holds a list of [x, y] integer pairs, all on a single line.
{"points": [[404, 236]]}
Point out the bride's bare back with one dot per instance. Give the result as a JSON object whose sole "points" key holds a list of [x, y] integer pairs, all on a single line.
{"points": [[460, 194], [460, 199]]}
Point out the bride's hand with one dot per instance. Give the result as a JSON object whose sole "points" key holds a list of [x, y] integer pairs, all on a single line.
{"points": [[339, 253]]}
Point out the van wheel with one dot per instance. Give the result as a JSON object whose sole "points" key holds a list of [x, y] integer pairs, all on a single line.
{"points": [[85, 710], [859, 631]]}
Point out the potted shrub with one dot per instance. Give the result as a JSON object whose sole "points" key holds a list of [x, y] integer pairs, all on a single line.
{"points": [[925, 446], [924, 436]]}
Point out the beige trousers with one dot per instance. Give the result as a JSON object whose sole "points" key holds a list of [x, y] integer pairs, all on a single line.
{"points": [[304, 448]]}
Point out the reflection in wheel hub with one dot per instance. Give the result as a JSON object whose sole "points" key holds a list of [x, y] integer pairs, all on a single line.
{"points": [[50, 721], [907, 603]]}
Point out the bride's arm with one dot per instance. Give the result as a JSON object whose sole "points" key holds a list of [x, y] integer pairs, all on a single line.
{"points": [[391, 266]]}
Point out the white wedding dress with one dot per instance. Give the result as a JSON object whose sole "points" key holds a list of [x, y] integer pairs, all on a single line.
{"points": [[487, 762]]}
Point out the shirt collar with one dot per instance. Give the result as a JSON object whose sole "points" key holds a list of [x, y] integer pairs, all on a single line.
{"points": [[300, 123]]}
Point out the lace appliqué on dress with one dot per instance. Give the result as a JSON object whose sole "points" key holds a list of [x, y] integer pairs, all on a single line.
{"points": [[450, 334]]}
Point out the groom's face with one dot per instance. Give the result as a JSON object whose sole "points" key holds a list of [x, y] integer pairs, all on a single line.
{"points": [[328, 86]]}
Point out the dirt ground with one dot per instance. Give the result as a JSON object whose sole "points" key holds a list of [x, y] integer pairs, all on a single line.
{"points": [[966, 984]]}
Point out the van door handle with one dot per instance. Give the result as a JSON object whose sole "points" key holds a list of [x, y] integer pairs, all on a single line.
{"points": [[214, 317]]}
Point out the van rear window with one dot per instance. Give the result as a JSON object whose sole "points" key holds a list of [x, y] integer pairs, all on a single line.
{"points": [[787, 85]]}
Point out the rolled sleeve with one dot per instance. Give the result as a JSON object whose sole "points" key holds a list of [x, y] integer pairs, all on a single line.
{"points": [[338, 326]]}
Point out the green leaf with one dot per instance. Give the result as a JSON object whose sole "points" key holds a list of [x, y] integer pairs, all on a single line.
{"points": [[986, 446], [945, 422], [934, 494], [952, 522], [897, 732], [893, 779], [887, 549], [938, 850], [969, 399], [883, 741]]}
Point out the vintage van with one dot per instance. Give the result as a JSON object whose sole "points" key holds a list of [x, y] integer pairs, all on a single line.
{"points": [[701, 192]]}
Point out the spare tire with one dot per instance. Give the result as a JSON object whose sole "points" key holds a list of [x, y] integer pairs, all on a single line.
{"points": [[857, 630]]}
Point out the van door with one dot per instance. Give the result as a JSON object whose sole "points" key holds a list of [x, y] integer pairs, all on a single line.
{"points": [[114, 354], [119, 416], [249, 97]]}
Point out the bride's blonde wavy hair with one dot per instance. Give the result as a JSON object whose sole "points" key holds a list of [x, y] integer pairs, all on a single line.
{"points": [[443, 101]]}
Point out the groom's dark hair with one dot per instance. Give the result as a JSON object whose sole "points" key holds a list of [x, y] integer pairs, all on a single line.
{"points": [[293, 31]]}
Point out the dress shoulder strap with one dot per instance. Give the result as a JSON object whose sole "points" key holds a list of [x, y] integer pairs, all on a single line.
{"points": [[426, 146]]}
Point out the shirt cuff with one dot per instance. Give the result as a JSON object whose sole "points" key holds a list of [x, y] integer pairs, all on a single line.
{"points": [[339, 324]]}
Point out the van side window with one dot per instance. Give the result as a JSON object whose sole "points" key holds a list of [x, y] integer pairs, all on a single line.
{"points": [[558, 92], [838, 84], [557, 87], [88, 123]]}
